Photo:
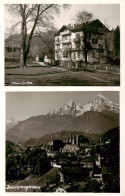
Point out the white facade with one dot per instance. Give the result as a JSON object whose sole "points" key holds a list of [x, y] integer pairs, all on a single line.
{"points": [[65, 46], [70, 46], [70, 148]]}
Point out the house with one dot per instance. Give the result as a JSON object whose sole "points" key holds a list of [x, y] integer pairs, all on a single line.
{"points": [[69, 44], [87, 162], [51, 154], [70, 148], [12, 49], [87, 151]]}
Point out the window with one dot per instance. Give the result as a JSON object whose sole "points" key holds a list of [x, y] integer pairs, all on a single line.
{"points": [[93, 54], [74, 55], [78, 54], [57, 55], [77, 35], [94, 41], [78, 46], [64, 38], [66, 46], [58, 46], [69, 55], [65, 54]]}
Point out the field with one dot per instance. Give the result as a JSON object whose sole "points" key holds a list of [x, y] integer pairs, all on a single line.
{"points": [[37, 74]]}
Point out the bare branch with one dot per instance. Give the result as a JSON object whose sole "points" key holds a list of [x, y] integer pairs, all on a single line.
{"points": [[16, 24]]}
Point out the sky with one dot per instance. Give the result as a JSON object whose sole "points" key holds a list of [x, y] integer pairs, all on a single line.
{"points": [[109, 14], [22, 105]]}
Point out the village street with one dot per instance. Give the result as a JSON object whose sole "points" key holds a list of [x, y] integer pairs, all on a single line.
{"points": [[40, 75]]}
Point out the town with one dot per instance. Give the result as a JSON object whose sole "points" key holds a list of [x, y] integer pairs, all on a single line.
{"points": [[75, 164]]}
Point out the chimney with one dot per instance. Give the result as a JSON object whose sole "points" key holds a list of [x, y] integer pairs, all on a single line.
{"points": [[69, 25]]}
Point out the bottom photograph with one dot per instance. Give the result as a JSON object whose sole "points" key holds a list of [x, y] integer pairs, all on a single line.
{"points": [[66, 141]]}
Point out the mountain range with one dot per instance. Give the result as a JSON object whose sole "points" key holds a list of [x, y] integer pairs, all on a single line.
{"points": [[97, 117], [99, 103]]}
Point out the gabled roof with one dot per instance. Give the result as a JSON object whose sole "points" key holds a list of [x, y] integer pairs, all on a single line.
{"points": [[71, 146], [91, 25], [66, 27]]}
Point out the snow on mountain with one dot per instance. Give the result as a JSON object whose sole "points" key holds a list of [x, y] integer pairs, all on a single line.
{"points": [[67, 109], [99, 103]]}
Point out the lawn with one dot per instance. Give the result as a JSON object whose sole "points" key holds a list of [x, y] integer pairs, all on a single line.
{"points": [[39, 75]]}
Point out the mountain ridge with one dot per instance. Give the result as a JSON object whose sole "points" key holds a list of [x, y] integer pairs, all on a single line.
{"points": [[37, 126], [99, 103], [96, 117]]}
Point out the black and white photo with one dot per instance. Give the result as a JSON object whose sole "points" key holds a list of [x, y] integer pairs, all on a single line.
{"points": [[62, 44], [63, 142]]}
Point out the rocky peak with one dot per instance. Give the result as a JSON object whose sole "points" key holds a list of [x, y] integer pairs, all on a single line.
{"points": [[70, 103], [99, 103]]}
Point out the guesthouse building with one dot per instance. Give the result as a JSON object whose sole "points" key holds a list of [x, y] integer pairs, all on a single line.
{"points": [[70, 42]]}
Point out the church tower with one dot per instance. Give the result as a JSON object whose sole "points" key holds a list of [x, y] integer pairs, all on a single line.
{"points": [[77, 140], [71, 139], [74, 139]]}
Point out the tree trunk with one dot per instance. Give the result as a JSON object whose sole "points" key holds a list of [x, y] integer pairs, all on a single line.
{"points": [[21, 58], [22, 41], [86, 58], [25, 59]]}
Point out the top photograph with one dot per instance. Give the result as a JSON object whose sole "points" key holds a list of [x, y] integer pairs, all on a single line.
{"points": [[62, 44]]}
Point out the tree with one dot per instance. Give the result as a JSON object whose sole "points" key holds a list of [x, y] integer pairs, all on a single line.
{"points": [[44, 45], [34, 18], [93, 186], [117, 42], [83, 139], [84, 17]]}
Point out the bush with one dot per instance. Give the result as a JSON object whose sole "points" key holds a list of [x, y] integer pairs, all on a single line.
{"points": [[12, 59], [56, 62], [116, 61], [41, 59]]}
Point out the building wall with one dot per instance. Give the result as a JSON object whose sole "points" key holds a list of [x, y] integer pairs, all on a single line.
{"points": [[69, 42], [70, 148], [97, 54]]}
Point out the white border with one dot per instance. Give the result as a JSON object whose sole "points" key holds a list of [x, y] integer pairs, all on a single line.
{"points": [[3, 89]]}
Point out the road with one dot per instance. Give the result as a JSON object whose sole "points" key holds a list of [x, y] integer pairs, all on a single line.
{"points": [[58, 76]]}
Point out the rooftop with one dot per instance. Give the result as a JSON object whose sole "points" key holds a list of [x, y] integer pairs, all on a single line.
{"points": [[90, 25]]}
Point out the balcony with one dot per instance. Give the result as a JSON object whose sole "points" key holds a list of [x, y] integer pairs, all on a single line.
{"points": [[57, 42], [72, 49], [67, 32], [76, 49], [66, 41], [67, 49], [77, 40]]}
